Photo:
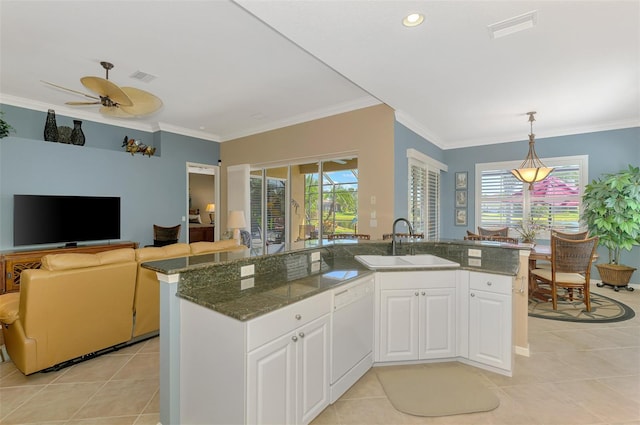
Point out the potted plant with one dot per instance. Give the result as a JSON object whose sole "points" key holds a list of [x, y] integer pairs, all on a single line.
{"points": [[5, 128], [612, 212], [529, 229]]}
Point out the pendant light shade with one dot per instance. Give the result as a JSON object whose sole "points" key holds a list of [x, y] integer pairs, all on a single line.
{"points": [[531, 170]]}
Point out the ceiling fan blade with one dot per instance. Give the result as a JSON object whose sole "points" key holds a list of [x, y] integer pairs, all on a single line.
{"points": [[71, 90], [115, 111], [144, 103], [82, 103], [106, 88]]}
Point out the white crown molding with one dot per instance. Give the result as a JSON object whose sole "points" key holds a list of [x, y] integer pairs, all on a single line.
{"points": [[414, 126], [99, 118], [620, 125], [341, 108]]}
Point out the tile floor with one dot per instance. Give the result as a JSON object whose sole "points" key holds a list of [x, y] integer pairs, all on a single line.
{"points": [[587, 374]]}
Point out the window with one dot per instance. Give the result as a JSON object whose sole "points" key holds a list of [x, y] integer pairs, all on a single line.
{"points": [[424, 194], [502, 200]]}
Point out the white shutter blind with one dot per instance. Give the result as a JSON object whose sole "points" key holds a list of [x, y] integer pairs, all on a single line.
{"points": [[417, 197], [424, 194], [433, 202], [554, 202]]}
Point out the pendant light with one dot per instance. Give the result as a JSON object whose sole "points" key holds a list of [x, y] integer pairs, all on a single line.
{"points": [[532, 169]]}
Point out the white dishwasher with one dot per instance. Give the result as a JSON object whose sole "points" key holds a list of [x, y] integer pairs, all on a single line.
{"points": [[352, 334]]}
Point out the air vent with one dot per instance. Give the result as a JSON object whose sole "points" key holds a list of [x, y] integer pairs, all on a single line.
{"points": [[143, 76], [513, 25]]}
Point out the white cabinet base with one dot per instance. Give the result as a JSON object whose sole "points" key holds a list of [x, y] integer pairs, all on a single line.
{"points": [[345, 382]]}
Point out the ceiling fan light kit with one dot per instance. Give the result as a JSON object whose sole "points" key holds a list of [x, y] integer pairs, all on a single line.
{"points": [[116, 101], [532, 169]]}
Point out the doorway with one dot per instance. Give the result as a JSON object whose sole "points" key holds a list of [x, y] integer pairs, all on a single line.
{"points": [[203, 202]]}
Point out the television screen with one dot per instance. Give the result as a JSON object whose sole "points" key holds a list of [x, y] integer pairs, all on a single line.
{"points": [[44, 219]]}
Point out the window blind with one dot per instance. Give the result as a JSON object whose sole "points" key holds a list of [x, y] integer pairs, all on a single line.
{"points": [[424, 198], [554, 202]]}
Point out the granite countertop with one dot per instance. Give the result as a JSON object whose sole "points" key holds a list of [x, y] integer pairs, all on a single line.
{"points": [[245, 299], [213, 280]]}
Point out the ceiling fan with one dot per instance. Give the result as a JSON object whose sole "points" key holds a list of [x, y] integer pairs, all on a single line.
{"points": [[121, 102]]}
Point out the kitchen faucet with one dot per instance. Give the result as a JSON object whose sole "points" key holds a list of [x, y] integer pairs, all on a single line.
{"points": [[393, 233]]}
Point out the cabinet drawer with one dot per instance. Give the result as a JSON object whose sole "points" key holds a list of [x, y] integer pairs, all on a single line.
{"points": [[490, 282], [265, 328], [417, 279]]}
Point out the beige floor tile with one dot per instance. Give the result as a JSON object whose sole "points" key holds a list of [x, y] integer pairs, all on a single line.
{"points": [[368, 386], [17, 378], [98, 369], [150, 346], [112, 420], [140, 366], [12, 397], [368, 411], [119, 398], [55, 402], [153, 407], [327, 417], [626, 385], [148, 419]]}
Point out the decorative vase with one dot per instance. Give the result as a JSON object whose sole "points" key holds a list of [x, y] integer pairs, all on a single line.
{"points": [[77, 136], [50, 127]]}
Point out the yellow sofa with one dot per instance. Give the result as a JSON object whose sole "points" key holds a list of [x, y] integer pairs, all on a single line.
{"points": [[79, 304]]}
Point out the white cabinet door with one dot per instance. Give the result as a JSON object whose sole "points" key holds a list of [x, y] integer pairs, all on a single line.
{"points": [[490, 328], [437, 323], [399, 316], [288, 378], [313, 369], [271, 380]]}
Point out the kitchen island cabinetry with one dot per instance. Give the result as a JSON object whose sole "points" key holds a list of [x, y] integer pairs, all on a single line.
{"points": [[417, 319], [490, 320], [278, 363]]}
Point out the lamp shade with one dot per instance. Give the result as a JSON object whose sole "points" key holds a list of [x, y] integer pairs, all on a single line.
{"points": [[236, 220], [210, 208]]}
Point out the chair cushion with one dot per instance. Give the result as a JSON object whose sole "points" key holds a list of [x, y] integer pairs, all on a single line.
{"points": [[9, 306], [574, 278]]}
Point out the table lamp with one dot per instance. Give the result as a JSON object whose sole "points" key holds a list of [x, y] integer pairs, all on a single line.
{"points": [[236, 221], [211, 208]]}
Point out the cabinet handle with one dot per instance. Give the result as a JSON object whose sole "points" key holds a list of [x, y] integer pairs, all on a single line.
{"points": [[417, 293], [489, 283], [298, 317], [473, 295], [424, 293], [301, 334], [294, 338]]}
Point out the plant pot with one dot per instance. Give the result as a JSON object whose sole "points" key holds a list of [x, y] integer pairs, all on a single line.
{"points": [[615, 275]]}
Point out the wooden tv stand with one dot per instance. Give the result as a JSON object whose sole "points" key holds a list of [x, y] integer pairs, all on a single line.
{"points": [[12, 263]]}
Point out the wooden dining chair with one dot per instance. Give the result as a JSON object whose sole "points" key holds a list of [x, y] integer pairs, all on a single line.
{"points": [[576, 236], [165, 235], [354, 236], [504, 239], [570, 268], [501, 231]]}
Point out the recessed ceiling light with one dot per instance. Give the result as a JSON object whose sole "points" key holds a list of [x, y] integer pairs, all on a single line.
{"points": [[513, 25], [413, 20]]}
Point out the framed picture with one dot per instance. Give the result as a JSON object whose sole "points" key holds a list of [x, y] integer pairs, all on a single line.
{"points": [[461, 179], [461, 198], [461, 216]]}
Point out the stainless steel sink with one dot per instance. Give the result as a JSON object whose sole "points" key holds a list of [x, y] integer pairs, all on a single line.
{"points": [[422, 261]]}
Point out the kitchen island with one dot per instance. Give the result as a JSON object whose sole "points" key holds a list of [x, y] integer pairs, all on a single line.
{"points": [[220, 314]]}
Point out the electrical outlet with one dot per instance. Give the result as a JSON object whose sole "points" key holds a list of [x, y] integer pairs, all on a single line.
{"points": [[247, 283], [475, 262], [249, 270], [315, 256], [475, 253], [315, 267]]}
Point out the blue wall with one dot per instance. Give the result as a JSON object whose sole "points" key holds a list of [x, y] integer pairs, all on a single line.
{"points": [[608, 151], [152, 190]]}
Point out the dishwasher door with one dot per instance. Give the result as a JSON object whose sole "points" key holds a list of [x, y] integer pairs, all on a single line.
{"points": [[352, 327]]}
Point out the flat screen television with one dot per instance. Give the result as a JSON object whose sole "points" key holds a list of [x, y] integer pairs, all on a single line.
{"points": [[50, 219]]}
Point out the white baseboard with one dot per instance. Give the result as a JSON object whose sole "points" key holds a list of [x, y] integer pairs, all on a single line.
{"points": [[523, 351]]}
